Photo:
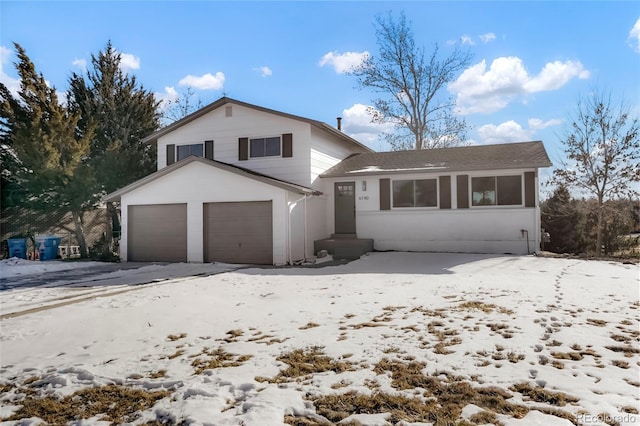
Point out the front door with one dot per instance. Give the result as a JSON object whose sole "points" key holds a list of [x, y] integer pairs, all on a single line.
{"points": [[345, 207]]}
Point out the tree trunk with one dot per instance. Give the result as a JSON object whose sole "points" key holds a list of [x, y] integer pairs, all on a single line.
{"points": [[599, 227], [79, 230]]}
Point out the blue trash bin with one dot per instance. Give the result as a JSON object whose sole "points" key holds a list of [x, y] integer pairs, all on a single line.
{"points": [[17, 247], [48, 247]]}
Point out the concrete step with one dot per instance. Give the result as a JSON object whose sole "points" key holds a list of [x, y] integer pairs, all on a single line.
{"points": [[344, 248], [344, 236]]}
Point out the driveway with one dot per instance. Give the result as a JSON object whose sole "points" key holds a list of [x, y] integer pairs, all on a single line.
{"points": [[31, 291]]}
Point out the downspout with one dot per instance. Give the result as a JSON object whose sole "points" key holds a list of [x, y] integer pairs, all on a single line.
{"points": [[537, 220], [290, 205]]}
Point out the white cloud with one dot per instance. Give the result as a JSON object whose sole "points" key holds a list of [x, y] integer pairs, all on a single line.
{"points": [[554, 75], [80, 63], [264, 71], [357, 123], [204, 82], [465, 39], [479, 89], [169, 94], [634, 36], [511, 131], [129, 62], [487, 38], [343, 62], [13, 84], [537, 124]]}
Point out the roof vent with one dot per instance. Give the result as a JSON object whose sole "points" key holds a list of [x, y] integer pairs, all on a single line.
{"points": [[339, 123]]}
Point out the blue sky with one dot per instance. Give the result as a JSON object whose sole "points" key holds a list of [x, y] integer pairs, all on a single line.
{"points": [[530, 60]]}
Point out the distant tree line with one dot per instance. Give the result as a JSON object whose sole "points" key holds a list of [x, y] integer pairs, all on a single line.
{"points": [[572, 225]]}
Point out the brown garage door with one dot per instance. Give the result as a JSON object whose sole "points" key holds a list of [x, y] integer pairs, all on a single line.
{"points": [[157, 233], [238, 232]]}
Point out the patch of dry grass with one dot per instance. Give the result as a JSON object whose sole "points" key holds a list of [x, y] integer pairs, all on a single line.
{"points": [[309, 325], [484, 307], [303, 362], [112, 403], [538, 394], [210, 359], [596, 322], [174, 337]]}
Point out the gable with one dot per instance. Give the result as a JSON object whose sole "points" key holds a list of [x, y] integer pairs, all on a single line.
{"points": [[200, 174]]}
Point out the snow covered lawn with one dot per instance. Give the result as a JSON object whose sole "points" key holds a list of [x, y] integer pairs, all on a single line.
{"points": [[399, 338]]}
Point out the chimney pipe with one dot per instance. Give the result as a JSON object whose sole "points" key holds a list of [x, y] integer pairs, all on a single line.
{"points": [[339, 123]]}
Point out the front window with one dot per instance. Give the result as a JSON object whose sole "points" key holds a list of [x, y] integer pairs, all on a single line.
{"points": [[265, 147], [186, 150], [496, 190], [415, 193]]}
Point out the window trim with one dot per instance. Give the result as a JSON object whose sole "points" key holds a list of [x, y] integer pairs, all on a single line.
{"points": [[265, 138], [414, 207], [495, 177]]}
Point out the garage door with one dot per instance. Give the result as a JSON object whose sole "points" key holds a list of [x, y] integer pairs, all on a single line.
{"points": [[157, 233], [238, 232]]}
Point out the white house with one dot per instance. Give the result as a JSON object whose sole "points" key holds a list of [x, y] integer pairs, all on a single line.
{"points": [[239, 183]]}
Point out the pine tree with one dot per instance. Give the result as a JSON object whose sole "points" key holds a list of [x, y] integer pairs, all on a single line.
{"points": [[53, 169]]}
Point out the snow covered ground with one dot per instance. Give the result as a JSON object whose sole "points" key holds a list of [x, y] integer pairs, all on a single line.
{"points": [[540, 329]]}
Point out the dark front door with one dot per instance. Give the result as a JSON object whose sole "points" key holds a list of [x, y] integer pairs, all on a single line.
{"points": [[345, 207]]}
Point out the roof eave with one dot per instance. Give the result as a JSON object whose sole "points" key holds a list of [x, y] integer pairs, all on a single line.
{"points": [[442, 170]]}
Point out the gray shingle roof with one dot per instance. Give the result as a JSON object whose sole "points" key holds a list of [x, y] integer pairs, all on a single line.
{"points": [[467, 158]]}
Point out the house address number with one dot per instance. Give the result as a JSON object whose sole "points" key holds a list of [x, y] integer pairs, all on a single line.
{"points": [[363, 197]]}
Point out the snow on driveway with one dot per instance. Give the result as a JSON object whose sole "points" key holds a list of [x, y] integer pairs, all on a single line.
{"points": [[521, 323]]}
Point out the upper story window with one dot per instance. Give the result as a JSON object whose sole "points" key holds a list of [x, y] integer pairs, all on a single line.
{"points": [[415, 193], [180, 152], [496, 190], [183, 151], [265, 147]]}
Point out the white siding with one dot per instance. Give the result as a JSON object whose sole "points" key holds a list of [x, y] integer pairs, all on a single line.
{"points": [[185, 185], [326, 152], [250, 123], [487, 229]]}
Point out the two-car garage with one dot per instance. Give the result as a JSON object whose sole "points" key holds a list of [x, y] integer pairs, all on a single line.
{"points": [[199, 210], [233, 232]]}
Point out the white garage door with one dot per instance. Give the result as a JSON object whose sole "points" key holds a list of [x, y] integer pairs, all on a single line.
{"points": [[157, 233], [238, 232]]}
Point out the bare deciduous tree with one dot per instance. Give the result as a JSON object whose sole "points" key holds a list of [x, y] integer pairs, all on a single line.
{"points": [[602, 148], [411, 87], [183, 105]]}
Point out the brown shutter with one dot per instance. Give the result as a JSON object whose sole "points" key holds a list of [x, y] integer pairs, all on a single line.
{"points": [[243, 149], [208, 150], [171, 154], [529, 189], [463, 191], [385, 194], [287, 145], [445, 192]]}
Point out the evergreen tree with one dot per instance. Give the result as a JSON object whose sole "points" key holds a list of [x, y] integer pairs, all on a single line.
{"points": [[561, 218], [51, 155], [124, 113]]}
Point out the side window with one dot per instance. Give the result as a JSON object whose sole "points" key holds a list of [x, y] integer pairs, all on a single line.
{"points": [[415, 193], [496, 191]]}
